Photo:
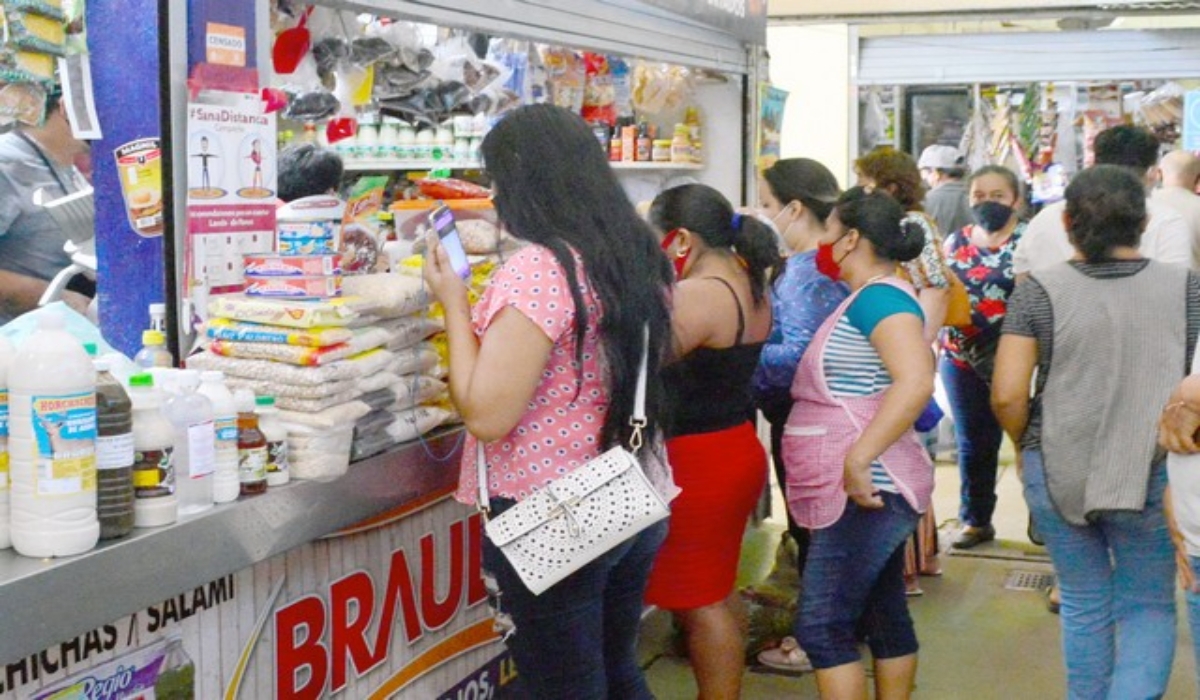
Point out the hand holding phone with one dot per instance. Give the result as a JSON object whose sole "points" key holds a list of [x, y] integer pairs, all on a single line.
{"points": [[442, 221]]}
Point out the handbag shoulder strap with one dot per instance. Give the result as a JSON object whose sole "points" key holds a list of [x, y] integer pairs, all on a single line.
{"points": [[637, 420]]}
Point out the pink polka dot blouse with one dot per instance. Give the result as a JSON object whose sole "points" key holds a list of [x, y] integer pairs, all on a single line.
{"points": [[561, 427]]}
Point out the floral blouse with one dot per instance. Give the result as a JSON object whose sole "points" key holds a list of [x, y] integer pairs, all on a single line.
{"points": [[926, 270], [987, 274]]}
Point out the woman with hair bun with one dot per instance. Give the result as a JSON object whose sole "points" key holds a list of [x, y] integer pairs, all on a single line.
{"points": [[857, 475], [896, 173], [719, 321], [1109, 335]]}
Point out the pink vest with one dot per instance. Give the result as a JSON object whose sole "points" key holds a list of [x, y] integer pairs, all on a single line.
{"points": [[821, 429]]}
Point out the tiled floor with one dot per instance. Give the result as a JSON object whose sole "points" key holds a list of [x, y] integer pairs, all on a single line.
{"points": [[979, 640]]}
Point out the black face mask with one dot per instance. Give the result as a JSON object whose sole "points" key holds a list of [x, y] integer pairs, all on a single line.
{"points": [[991, 216]]}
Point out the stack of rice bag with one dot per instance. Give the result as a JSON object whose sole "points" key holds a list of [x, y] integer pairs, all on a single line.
{"points": [[419, 402], [329, 364]]}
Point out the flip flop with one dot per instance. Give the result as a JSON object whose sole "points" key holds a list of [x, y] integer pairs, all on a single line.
{"points": [[1051, 604], [787, 657]]}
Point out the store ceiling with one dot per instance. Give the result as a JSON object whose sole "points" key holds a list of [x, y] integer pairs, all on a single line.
{"points": [[1040, 15]]}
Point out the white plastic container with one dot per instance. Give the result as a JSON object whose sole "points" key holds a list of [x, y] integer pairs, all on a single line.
{"points": [[158, 317], [7, 353], [278, 472], [225, 477], [191, 416], [154, 503], [154, 351], [52, 444]]}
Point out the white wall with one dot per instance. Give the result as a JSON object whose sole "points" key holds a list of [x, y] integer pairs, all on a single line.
{"points": [[812, 62]]}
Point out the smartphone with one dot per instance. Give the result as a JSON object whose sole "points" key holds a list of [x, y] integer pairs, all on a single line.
{"points": [[442, 221]]}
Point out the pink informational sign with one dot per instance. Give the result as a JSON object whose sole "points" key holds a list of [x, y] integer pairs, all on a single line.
{"points": [[230, 191]]}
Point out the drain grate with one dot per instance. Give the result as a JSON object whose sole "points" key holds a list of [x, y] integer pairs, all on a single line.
{"points": [[1028, 580]]}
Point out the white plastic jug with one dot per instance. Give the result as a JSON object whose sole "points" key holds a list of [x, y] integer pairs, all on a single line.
{"points": [[195, 450], [7, 353], [52, 444], [225, 479], [154, 501]]}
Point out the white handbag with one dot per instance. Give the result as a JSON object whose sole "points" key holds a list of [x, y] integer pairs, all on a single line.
{"points": [[574, 519]]}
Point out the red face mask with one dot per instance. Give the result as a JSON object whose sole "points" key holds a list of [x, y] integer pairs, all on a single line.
{"points": [[677, 261], [826, 264]]}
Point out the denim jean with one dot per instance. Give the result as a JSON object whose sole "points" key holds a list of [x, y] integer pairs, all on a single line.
{"points": [[1116, 576], [1193, 610], [854, 586], [978, 435], [579, 638]]}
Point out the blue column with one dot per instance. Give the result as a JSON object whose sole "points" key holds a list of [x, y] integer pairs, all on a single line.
{"points": [[123, 41]]}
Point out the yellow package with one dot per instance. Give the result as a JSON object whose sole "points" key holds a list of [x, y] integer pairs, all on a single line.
{"points": [[17, 65], [281, 312], [319, 337], [34, 32]]}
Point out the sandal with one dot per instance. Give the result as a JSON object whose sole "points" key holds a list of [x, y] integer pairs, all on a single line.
{"points": [[1054, 606], [788, 657]]}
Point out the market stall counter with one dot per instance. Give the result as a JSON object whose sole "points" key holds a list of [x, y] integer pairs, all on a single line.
{"points": [[363, 584]]}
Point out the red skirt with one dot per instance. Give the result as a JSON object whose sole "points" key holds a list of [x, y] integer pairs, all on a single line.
{"points": [[721, 475]]}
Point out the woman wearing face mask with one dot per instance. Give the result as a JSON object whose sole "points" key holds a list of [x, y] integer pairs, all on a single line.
{"points": [[981, 256], [896, 173], [797, 195], [857, 475], [719, 319]]}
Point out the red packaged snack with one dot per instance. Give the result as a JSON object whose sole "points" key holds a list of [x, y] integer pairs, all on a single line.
{"points": [[451, 188], [599, 95]]}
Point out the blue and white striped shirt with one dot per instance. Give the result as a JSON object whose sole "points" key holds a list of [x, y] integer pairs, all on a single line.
{"points": [[851, 364]]}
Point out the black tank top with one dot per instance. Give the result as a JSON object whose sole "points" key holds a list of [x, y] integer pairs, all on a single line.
{"points": [[710, 388]]}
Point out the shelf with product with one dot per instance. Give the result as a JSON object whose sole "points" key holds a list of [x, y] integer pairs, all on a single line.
{"points": [[391, 165], [219, 542]]}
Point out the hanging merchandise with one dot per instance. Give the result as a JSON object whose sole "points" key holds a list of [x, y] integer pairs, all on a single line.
{"points": [[514, 56], [32, 36], [876, 124], [976, 141], [566, 76], [599, 95], [1161, 111], [660, 87], [292, 45]]}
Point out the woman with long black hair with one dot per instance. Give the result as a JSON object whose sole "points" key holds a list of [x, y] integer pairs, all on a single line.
{"points": [[543, 370]]}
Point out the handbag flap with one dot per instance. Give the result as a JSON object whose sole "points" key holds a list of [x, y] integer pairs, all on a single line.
{"points": [[541, 506]]}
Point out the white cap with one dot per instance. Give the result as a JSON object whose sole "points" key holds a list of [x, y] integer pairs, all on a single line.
{"points": [[939, 157], [187, 379], [212, 375], [243, 399]]}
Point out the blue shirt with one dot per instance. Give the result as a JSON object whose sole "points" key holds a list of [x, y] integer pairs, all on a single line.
{"points": [[801, 301]]}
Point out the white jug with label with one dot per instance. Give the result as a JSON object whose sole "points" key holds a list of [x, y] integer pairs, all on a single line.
{"points": [[7, 354], [52, 444]]}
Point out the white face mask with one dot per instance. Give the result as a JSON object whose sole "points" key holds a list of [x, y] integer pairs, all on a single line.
{"points": [[769, 222]]}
